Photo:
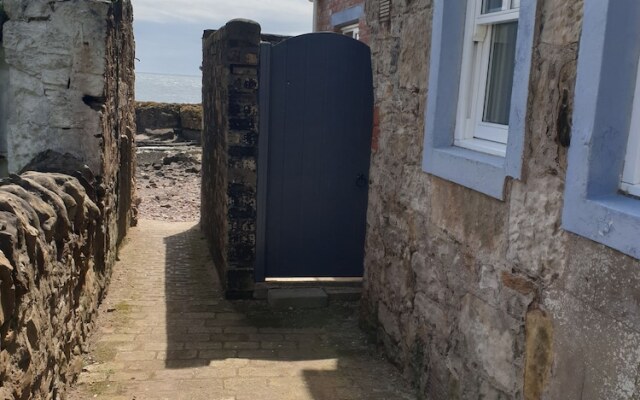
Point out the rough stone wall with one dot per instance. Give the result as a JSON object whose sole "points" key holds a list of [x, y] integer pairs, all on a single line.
{"points": [[479, 298], [70, 89], [230, 150], [117, 119], [52, 276], [328, 7], [181, 120], [71, 83]]}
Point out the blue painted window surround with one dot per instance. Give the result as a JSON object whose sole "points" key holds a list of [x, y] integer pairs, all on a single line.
{"points": [[607, 72], [347, 16], [476, 170]]}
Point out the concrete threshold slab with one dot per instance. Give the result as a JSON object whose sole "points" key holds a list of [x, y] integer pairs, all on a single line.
{"points": [[338, 289], [297, 298]]}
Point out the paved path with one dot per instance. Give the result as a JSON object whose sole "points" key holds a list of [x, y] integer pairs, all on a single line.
{"points": [[166, 332]]}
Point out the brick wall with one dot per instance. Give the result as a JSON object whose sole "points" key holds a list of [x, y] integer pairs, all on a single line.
{"points": [[230, 149]]}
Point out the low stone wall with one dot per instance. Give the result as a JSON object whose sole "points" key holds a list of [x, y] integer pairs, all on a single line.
{"points": [[52, 276], [170, 121]]}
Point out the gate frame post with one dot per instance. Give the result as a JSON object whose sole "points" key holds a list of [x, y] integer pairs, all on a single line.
{"points": [[263, 160]]}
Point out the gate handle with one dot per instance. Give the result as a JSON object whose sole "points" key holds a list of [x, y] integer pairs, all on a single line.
{"points": [[361, 181]]}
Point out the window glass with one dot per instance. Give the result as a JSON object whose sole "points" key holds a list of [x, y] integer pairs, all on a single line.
{"points": [[631, 175], [500, 76], [489, 6], [353, 31]]}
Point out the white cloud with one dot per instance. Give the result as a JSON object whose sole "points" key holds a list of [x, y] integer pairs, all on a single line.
{"points": [[276, 16]]}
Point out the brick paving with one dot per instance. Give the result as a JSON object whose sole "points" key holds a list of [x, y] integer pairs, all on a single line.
{"points": [[165, 331]]}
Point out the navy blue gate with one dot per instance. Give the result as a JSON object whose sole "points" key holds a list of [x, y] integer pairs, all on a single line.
{"points": [[315, 145]]}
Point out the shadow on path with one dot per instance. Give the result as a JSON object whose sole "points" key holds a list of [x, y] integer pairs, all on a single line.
{"points": [[202, 326], [168, 333]]}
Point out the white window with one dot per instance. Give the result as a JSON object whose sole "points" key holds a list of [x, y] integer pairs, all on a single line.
{"points": [[488, 64], [352, 31], [631, 176]]}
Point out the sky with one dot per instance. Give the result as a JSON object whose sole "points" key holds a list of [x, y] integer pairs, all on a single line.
{"points": [[168, 32]]}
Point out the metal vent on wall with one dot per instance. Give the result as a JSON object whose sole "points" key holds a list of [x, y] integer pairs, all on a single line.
{"points": [[385, 10]]}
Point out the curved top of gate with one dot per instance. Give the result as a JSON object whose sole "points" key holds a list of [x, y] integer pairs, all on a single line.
{"points": [[329, 38]]}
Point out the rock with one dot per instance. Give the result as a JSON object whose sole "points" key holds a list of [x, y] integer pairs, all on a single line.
{"points": [[191, 117], [165, 121], [190, 135], [150, 116], [161, 134], [178, 157]]}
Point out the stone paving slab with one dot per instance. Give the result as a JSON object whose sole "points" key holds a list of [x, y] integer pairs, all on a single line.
{"points": [[165, 331]]}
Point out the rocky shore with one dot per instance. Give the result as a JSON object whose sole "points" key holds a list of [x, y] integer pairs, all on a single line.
{"points": [[169, 122], [169, 158]]}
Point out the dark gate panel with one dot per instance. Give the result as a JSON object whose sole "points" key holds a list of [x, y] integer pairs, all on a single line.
{"points": [[314, 192]]}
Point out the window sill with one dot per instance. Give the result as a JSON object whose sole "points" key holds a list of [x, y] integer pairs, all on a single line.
{"points": [[633, 190], [476, 170], [483, 146], [613, 220]]}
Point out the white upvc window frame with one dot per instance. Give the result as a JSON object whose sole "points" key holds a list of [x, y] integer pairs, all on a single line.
{"points": [[352, 30], [471, 131], [630, 182]]}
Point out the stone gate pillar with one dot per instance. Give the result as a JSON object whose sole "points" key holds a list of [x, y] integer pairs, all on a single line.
{"points": [[230, 149]]}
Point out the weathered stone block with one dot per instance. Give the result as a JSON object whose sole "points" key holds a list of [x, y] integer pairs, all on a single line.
{"points": [[539, 354]]}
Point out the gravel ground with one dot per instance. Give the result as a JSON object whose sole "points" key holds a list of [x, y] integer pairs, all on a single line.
{"points": [[168, 181]]}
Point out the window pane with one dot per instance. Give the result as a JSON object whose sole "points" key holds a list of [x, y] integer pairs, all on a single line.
{"points": [[489, 6], [502, 61]]}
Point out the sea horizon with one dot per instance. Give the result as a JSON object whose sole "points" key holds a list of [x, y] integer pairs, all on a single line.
{"points": [[168, 88]]}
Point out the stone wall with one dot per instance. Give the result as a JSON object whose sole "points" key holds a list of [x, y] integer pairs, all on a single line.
{"points": [[182, 122], [52, 277], [475, 297], [326, 8], [70, 89], [71, 83], [230, 150]]}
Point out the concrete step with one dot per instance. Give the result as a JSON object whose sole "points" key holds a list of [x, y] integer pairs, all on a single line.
{"points": [[337, 290], [343, 293], [284, 299]]}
